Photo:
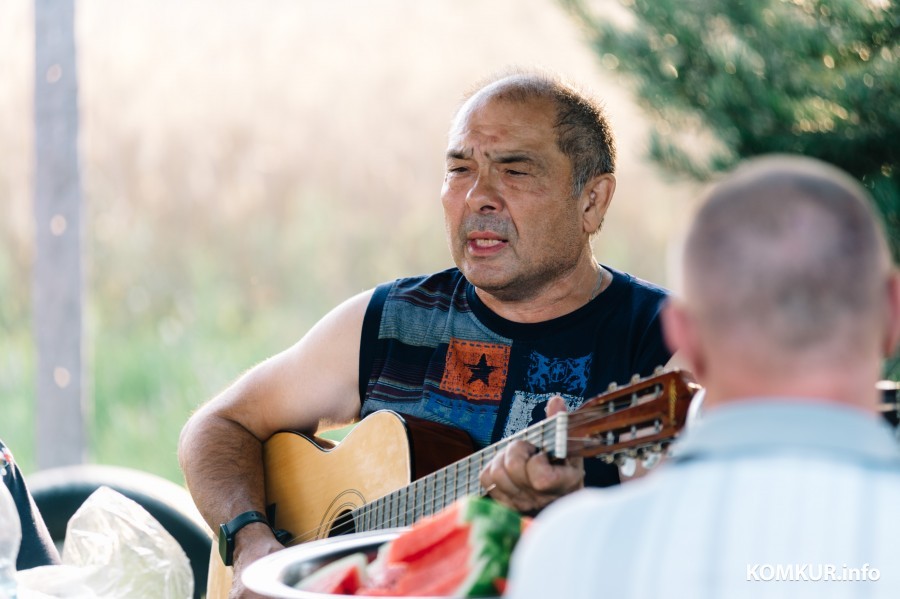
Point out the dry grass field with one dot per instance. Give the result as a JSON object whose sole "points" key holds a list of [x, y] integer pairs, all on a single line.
{"points": [[246, 165]]}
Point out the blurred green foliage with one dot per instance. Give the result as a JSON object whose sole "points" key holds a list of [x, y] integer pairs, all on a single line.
{"points": [[814, 77]]}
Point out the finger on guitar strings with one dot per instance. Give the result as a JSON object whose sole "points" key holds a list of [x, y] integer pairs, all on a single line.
{"points": [[506, 475]]}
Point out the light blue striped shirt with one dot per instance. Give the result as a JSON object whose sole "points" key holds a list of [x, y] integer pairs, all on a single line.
{"points": [[763, 498]]}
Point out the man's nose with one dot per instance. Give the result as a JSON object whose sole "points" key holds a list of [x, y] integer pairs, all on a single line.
{"points": [[483, 196]]}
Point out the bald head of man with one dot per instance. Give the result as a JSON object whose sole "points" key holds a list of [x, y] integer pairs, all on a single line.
{"points": [[788, 286]]}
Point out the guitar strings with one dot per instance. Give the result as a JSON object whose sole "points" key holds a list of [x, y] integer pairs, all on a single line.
{"points": [[347, 522], [349, 519]]}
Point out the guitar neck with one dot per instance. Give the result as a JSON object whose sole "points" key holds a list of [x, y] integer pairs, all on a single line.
{"points": [[643, 416], [432, 493]]}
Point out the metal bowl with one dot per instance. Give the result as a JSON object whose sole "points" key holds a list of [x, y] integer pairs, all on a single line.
{"points": [[275, 575]]}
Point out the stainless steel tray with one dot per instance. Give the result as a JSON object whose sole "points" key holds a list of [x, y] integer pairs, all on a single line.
{"points": [[275, 574]]}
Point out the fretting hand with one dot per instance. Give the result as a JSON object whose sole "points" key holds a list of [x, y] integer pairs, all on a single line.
{"points": [[523, 478]]}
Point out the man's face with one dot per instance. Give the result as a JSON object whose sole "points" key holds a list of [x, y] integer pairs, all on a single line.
{"points": [[512, 223]]}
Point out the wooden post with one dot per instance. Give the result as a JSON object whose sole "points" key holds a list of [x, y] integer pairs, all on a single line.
{"points": [[58, 274]]}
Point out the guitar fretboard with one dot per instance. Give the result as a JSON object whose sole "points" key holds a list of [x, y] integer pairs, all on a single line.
{"points": [[432, 493]]}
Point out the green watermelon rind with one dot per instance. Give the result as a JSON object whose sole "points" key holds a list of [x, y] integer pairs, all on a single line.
{"points": [[495, 532]]}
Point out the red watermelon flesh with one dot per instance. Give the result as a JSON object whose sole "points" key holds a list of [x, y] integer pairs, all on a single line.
{"points": [[458, 552], [341, 577], [437, 572]]}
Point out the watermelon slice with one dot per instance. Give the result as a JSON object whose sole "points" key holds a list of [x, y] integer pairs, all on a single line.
{"points": [[341, 577], [463, 551]]}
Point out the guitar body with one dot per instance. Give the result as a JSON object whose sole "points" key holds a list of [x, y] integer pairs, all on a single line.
{"points": [[308, 486], [311, 483]]}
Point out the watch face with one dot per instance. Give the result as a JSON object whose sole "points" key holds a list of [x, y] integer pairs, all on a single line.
{"points": [[228, 530], [226, 549]]}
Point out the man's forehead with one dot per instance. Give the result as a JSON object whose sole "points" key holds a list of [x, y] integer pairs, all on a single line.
{"points": [[497, 120]]}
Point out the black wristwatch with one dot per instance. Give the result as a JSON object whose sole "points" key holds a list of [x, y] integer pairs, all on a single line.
{"points": [[229, 529]]}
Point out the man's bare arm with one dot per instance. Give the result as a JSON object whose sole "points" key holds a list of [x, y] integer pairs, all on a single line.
{"points": [[312, 384]]}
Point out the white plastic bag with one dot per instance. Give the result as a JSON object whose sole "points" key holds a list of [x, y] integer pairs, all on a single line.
{"points": [[55, 582], [114, 548]]}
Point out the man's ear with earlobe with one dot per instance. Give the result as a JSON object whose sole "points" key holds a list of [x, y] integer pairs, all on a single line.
{"points": [[681, 336], [595, 200]]}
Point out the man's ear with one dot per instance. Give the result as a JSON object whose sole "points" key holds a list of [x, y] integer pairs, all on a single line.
{"points": [[892, 330], [682, 337], [595, 200]]}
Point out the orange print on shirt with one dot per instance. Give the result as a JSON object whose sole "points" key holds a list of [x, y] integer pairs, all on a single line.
{"points": [[476, 370]]}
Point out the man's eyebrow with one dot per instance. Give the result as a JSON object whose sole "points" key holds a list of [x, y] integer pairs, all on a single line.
{"points": [[459, 154], [498, 157]]}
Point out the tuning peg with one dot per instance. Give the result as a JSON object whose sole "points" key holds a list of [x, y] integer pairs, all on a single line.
{"points": [[651, 459], [627, 465], [658, 370], [612, 387], [635, 378]]}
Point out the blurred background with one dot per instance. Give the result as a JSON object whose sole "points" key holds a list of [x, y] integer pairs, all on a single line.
{"points": [[248, 165]]}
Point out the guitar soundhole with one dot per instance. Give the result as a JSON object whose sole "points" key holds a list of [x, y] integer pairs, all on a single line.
{"points": [[343, 525]]}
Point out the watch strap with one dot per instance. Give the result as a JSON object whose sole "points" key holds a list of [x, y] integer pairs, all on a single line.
{"points": [[228, 531]]}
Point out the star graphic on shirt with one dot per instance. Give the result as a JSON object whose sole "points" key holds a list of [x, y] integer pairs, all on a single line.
{"points": [[481, 371]]}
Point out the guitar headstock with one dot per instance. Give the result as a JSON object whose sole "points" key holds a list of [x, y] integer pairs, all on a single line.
{"points": [[630, 421]]}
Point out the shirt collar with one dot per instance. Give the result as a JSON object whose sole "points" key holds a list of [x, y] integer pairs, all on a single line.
{"points": [[776, 424]]}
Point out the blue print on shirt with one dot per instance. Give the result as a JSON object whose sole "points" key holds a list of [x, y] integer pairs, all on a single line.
{"points": [[566, 375], [475, 418], [530, 408]]}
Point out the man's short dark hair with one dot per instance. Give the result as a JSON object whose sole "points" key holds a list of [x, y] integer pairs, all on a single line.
{"points": [[788, 246]]}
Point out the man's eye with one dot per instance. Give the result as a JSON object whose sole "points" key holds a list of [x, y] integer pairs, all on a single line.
{"points": [[457, 169], [515, 173]]}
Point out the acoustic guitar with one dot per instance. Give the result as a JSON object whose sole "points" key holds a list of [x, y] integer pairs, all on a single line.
{"points": [[391, 469]]}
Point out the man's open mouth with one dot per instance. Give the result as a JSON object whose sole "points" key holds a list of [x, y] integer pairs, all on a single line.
{"points": [[486, 243]]}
